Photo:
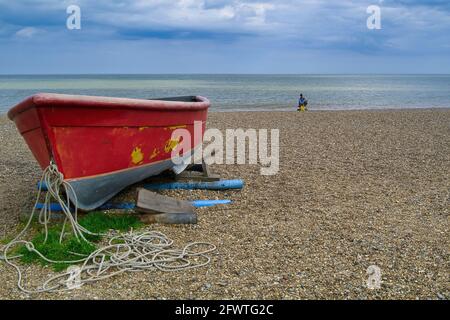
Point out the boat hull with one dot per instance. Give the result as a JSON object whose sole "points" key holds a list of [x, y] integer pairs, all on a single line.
{"points": [[102, 145], [92, 192]]}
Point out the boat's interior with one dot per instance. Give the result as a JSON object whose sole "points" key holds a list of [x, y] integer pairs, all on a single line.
{"points": [[181, 99]]}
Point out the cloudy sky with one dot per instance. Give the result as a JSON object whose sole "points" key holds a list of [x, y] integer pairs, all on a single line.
{"points": [[224, 36]]}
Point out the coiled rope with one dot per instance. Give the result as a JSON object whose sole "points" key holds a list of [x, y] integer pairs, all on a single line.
{"points": [[125, 252]]}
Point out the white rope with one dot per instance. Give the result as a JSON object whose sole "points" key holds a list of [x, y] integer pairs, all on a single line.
{"points": [[150, 250]]}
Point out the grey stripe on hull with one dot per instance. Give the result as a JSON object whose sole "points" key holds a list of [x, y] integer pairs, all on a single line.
{"points": [[93, 192]]}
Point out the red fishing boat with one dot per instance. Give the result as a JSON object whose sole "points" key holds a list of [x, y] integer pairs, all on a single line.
{"points": [[102, 145]]}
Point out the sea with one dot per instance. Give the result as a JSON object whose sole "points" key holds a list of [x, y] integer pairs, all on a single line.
{"points": [[236, 92]]}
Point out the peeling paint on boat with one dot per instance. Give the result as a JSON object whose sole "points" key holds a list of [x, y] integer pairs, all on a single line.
{"points": [[137, 156], [108, 145], [171, 144], [154, 154], [176, 127]]}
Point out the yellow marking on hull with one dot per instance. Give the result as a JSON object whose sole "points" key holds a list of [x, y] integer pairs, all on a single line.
{"points": [[142, 128], [137, 156], [154, 154], [121, 170], [171, 144], [176, 127]]}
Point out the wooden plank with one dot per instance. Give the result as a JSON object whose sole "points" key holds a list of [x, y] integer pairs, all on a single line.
{"points": [[151, 202], [198, 173], [195, 167], [206, 170]]}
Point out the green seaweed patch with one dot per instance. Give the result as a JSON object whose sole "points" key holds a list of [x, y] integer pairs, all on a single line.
{"points": [[72, 249], [52, 249], [98, 222]]}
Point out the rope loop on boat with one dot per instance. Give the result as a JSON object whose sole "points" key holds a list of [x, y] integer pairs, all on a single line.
{"points": [[131, 251]]}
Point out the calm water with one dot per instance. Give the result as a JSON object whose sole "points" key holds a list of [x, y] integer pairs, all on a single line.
{"points": [[247, 92]]}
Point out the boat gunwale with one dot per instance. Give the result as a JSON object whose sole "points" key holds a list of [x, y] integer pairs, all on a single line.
{"points": [[55, 100]]}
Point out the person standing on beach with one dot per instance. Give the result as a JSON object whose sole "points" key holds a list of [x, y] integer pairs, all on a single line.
{"points": [[302, 103]]}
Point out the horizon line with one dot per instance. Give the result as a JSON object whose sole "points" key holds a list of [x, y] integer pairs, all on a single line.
{"points": [[201, 73]]}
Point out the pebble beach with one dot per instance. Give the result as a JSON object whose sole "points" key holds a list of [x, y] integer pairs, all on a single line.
{"points": [[355, 189]]}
